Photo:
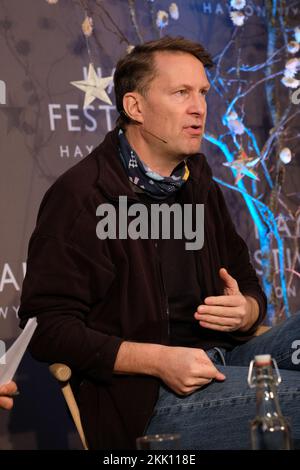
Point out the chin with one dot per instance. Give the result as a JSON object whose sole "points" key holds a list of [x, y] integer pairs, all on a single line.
{"points": [[193, 144], [194, 149], [190, 148]]}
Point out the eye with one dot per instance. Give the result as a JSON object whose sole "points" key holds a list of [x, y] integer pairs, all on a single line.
{"points": [[204, 92], [182, 92]]}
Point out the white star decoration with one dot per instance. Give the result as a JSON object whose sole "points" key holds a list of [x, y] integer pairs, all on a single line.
{"points": [[94, 87], [243, 165]]}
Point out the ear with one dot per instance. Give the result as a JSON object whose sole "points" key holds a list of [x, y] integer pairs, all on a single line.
{"points": [[132, 106]]}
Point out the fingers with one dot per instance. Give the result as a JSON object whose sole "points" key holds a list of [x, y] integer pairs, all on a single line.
{"points": [[218, 327], [200, 383], [8, 389], [200, 376], [219, 316], [230, 284], [220, 319], [220, 312], [224, 300], [225, 276], [188, 369], [223, 312], [189, 389], [220, 376], [210, 372], [6, 403]]}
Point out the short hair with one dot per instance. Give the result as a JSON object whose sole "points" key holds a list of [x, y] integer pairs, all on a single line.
{"points": [[135, 71]]}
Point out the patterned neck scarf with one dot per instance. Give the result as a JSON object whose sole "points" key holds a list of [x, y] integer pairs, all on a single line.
{"points": [[157, 186]]}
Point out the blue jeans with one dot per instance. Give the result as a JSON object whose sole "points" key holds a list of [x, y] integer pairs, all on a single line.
{"points": [[218, 415]]}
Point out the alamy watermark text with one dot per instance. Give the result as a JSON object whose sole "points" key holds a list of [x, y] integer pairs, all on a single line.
{"points": [[164, 221]]}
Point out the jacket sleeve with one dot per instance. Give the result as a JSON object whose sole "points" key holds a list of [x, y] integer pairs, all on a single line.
{"points": [[61, 287], [240, 267]]}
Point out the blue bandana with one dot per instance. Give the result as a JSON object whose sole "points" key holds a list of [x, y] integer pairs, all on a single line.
{"points": [[157, 186]]}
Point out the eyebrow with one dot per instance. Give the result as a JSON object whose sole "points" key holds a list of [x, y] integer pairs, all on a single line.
{"points": [[189, 87]]}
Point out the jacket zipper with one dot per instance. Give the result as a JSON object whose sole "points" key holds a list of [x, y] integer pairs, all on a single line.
{"points": [[164, 294], [165, 308]]}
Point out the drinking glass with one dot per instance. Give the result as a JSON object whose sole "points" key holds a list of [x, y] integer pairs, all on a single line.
{"points": [[158, 441]]}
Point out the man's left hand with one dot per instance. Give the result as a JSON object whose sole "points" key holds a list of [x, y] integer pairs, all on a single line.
{"points": [[229, 312]]}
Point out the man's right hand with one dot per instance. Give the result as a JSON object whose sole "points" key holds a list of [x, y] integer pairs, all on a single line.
{"points": [[185, 370], [182, 369]]}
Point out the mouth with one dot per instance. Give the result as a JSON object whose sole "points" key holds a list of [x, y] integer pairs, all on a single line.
{"points": [[194, 130]]}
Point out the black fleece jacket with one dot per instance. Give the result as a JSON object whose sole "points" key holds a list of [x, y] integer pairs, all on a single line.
{"points": [[89, 295]]}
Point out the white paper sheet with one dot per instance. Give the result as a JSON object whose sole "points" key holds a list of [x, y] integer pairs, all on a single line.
{"points": [[15, 353]]}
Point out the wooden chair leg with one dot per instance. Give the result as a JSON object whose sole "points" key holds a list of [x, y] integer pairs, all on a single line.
{"points": [[62, 373]]}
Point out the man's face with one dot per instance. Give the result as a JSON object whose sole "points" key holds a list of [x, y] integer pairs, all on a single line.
{"points": [[174, 107]]}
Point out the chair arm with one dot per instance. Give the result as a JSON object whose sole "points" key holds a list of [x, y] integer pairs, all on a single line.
{"points": [[261, 330]]}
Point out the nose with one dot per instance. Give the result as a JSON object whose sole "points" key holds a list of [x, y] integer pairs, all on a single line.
{"points": [[198, 104]]}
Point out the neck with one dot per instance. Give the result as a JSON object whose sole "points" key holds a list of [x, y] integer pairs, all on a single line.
{"points": [[149, 149]]}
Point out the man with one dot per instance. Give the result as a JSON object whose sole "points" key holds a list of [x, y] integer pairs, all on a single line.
{"points": [[6, 393], [145, 323]]}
